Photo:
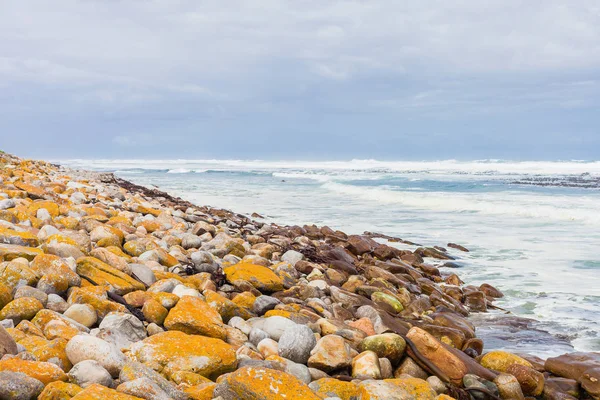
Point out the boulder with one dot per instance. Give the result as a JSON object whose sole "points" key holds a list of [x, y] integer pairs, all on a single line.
{"points": [[87, 347], [19, 386], [193, 315], [296, 343], [88, 372]]}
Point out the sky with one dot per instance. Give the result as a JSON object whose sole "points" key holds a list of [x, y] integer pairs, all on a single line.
{"points": [[300, 79]]}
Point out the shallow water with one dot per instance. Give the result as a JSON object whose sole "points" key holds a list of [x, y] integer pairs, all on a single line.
{"points": [[540, 245]]}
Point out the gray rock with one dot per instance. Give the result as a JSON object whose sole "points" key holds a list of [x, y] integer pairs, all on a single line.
{"points": [[296, 343], [190, 241], [256, 335], [143, 273], [57, 303], [121, 329], [276, 325], [204, 261], [165, 285], [28, 291], [264, 303], [241, 324], [437, 384], [292, 257], [300, 371], [18, 386], [143, 388], [88, 372], [7, 343], [133, 371]]}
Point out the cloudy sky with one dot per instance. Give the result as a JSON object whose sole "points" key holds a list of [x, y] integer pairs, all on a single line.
{"points": [[303, 79]]}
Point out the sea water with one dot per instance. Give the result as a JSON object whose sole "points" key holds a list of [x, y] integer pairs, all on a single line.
{"points": [[532, 228]]}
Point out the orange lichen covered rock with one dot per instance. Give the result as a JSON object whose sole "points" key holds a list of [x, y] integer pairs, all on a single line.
{"points": [[44, 264], [21, 238], [172, 351], [194, 316], [262, 278], [204, 391], [97, 392], [59, 391], [103, 274], [330, 387], [23, 308], [224, 306], [154, 312], [418, 388], [15, 273], [50, 206], [44, 372], [253, 383], [501, 360], [96, 297], [33, 192], [11, 251]]}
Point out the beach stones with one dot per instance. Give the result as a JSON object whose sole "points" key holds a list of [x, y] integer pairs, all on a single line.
{"points": [[262, 278], [500, 361], [330, 353], [388, 345], [194, 316], [86, 347], [88, 372], [19, 386]]}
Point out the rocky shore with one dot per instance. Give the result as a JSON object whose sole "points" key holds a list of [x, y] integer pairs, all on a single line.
{"points": [[109, 290]]}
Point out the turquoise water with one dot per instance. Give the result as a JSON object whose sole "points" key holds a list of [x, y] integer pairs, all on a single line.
{"points": [[540, 245]]}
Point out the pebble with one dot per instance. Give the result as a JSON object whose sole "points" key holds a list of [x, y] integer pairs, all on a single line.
{"points": [[296, 343], [82, 313]]}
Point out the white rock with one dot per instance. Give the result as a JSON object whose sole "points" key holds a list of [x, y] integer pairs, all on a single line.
{"points": [[82, 313], [86, 347], [144, 273], [276, 325], [296, 343], [292, 256], [88, 372], [121, 330], [182, 290]]}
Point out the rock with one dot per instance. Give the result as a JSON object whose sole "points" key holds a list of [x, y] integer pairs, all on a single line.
{"points": [[417, 388], [24, 308], [59, 391], [121, 330], [292, 257], [44, 372], [387, 299], [82, 313], [491, 291], [331, 353], [330, 387], [531, 381], [590, 382], [104, 274], [388, 345], [382, 390], [458, 247], [154, 312], [509, 387], [7, 343], [253, 383], [436, 384], [86, 347], [572, 365], [366, 366], [18, 386], [264, 303], [256, 335], [276, 325], [97, 392], [143, 273], [28, 291], [174, 351], [88, 372], [501, 360], [49, 264], [433, 350], [296, 343], [133, 371], [143, 388], [57, 303], [267, 347], [474, 382], [194, 316], [262, 278]]}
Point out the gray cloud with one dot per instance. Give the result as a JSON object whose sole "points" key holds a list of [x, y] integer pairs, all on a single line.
{"points": [[251, 73]]}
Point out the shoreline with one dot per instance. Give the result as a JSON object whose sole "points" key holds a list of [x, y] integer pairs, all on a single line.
{"points": [[349, 290]]}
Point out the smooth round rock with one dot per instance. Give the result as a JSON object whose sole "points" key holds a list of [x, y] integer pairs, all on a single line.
{"points": [[88, 372], [18, 386], [296, 343], [86, 347], [82, 313]]}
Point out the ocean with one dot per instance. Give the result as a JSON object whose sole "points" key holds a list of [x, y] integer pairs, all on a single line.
{"points": [[532, 228]]}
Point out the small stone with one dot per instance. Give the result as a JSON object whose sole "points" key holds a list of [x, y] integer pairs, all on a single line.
{"points": [[7, 343], [143, 273], [387, 372], [388, 345], [382, 390], [411, 368], [88, 372], [509, 387], [276, 325], [267, 347], [143, 388], [82, 313], [500, 360], [292, 257], [256, 335], [296, 343], [437, 384], [28, 291], [121, 330], [57, 303]]}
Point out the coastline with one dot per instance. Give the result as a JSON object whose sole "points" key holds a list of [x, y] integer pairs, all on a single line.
{"points": [[350, 290]]}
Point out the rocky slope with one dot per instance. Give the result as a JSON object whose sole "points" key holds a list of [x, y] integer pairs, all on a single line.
{"points": [[113, 291]]}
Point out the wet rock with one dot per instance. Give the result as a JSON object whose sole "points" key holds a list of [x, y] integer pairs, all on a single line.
{"points": [[458, 247], [501, 360], [411, 368], [296, 343], [531, 381]]}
